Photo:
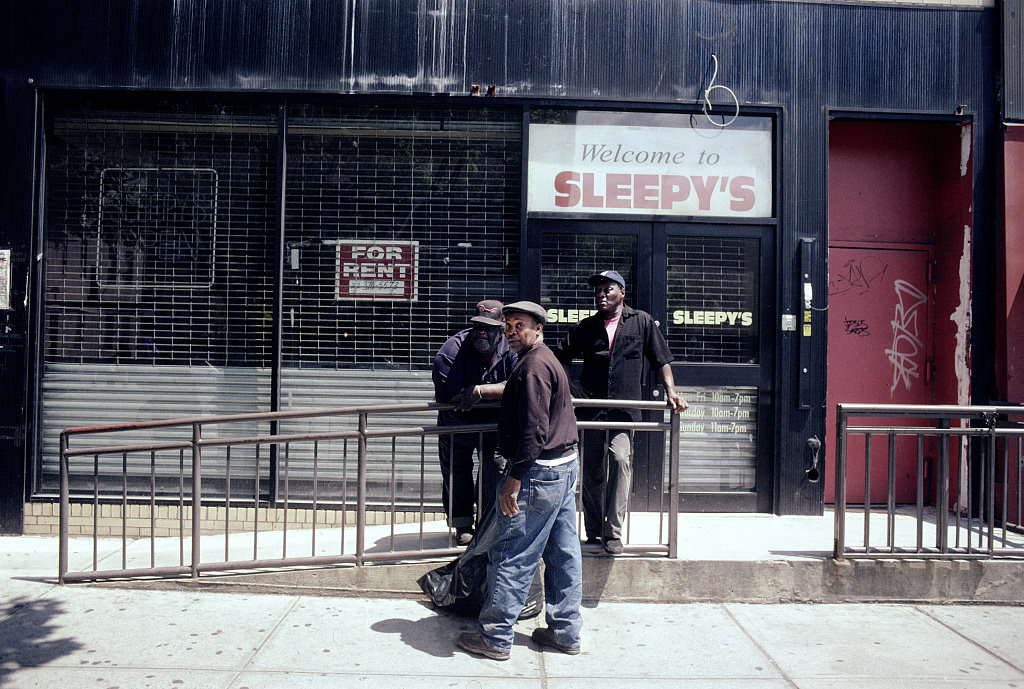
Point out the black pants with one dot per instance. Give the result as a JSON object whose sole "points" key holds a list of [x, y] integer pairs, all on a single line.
{"points": [[455, 453]]}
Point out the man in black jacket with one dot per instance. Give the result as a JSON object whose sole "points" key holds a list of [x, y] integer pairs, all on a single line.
{"points": [[471, 365], [614, 343], [536, 501]]}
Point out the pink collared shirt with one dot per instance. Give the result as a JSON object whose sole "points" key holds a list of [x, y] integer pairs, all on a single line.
{"points": [[610, 326]]}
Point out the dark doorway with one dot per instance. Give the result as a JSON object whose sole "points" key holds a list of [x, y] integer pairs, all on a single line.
{"points": [[710, 288]]}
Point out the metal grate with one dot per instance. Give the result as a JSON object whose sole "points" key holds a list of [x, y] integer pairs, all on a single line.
{"points": [[399, 221], [161, 253], [158, 237], [713, 299], [567, 261], [157, 227]]}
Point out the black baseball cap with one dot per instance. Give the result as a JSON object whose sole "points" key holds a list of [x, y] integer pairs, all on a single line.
{"points": [[487, 312], [606, 276]]}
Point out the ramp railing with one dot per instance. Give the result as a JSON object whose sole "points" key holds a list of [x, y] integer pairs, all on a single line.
{"points": [[928, 481], [188, 496]]}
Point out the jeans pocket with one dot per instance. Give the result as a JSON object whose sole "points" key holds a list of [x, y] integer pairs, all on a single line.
{"points": [[544, 495]]}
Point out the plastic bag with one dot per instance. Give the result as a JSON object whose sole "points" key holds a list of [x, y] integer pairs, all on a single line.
{"points": [[461, 585]]}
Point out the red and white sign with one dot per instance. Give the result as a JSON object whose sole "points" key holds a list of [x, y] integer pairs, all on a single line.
{"points": [[385, 270], [651, 170]]}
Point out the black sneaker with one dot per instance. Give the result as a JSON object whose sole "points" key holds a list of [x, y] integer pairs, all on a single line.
{"points": [[471, 641], [592, 540], [542, 636], [613, 546]]}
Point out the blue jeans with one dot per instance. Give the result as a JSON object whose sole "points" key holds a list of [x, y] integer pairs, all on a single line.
{"points": [[544, 528]]}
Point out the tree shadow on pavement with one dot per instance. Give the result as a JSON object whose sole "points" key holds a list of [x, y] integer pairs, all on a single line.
{"points": [[26, 628]]}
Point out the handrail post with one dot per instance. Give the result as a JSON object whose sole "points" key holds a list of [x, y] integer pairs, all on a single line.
{"points": [[361, 492], [65, 510], [990, 482], [942, 498], [840, 508], [673, 488], [197, 492]]}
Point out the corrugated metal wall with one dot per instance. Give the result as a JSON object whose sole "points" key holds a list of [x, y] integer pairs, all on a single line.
{"points": [[1013, 60], [913, 58], [99, 394], [802, 60]]}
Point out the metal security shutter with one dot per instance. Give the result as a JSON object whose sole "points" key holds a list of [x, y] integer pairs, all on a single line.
{"points": [[399, 219], [718, 276], [160, 255], [446, 182], [158, 258], [568, 260]]}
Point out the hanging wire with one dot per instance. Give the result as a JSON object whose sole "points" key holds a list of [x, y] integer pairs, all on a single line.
{"points": [[706, 106]]}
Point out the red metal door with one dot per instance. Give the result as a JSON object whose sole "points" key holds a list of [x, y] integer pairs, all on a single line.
{"points": [[880, 349]]}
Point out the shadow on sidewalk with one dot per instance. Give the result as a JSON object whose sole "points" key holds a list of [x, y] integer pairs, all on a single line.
{"points": [[25, 630], [434, 634]]}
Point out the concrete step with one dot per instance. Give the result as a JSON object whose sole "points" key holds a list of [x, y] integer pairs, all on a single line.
{"points": [[722, 558]]}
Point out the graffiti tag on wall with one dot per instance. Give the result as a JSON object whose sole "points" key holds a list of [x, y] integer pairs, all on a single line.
{"points": [[857, 276], [856, 326], [907, 334]]}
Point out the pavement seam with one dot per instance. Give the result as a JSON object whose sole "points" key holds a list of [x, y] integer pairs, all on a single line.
{"points": [[757, 644], [269, 635], [967, 638]]}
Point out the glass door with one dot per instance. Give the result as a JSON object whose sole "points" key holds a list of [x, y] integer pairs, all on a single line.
{"points": [[717, 293], [571, 252], [710, 288]]}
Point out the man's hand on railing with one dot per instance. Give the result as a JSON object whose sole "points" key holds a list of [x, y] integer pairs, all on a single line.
{"points": [[677, 403], [469, 399], [476, 394]]}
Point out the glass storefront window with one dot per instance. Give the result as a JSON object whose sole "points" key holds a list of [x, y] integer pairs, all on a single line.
{"points": [[568, 260], [713, 299], [721, 423]]}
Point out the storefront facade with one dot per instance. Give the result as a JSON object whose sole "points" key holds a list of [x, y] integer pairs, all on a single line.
{"points": [[224, 211]]}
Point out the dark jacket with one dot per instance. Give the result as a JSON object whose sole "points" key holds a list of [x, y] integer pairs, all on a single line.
{"points": [[618, 375], [458, 367], [537, 420]]}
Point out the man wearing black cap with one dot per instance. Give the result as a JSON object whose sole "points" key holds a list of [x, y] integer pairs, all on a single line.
{"points": [[613, 343], [536, 517], [465, 375]]}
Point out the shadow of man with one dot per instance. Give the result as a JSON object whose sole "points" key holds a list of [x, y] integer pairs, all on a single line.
{"points": [[434, 634]]}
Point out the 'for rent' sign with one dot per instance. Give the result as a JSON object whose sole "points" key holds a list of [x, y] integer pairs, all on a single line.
{"points": [[385, 270]]}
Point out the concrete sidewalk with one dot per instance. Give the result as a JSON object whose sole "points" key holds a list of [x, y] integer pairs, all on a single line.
{"points": [[96, 636]]}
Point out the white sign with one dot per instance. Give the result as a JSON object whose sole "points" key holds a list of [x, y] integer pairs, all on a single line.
{"points": [[5, 279], [371, 269], [650, 170]]}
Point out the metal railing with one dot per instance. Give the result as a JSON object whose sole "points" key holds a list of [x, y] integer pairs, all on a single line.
{"points": [[960, 465], [168, 474]]}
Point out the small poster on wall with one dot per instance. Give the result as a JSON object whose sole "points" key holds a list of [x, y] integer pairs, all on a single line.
{"points": [[384, 270], [5, 279]]}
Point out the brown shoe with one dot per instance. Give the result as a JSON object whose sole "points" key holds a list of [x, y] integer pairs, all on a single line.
{"points": [[471, 641], [542, 636]]}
